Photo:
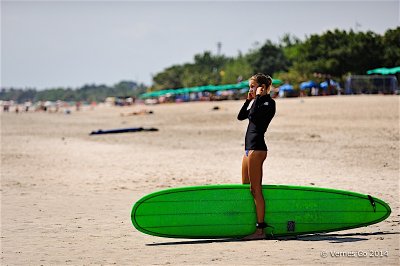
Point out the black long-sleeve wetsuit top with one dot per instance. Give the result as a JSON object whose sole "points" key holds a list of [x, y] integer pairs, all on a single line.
{"points": [[260, 115]]}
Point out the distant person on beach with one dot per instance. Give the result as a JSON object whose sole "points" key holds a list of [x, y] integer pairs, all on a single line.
{"points": [[259, 108], [27, 105], [6, 106], [78, 105]]}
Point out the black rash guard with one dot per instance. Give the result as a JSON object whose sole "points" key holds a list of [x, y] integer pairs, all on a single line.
{"points": [[260, 115]]}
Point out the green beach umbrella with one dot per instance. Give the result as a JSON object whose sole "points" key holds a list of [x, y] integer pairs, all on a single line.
{"points": [[158, 93], [384, 70], [169, 91], [213, 88], [240, 85], [195, 89], [274, 82]]}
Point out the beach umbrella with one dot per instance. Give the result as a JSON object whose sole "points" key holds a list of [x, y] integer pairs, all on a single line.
{"points": [[384, 70], [286, 87], [246, 82], [229, 87], [155, 93], [380, 70], [238, 86], [243, 84], [147, 94], [167, 92], [211, 88], [144, 95], [395, 70], [196, 89], [324, 84], [308, 84], [160, 93], [225, 87], [181, 91]]}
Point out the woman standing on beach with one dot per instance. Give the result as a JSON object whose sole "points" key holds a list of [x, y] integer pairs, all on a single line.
{"points": [[259, 108]]}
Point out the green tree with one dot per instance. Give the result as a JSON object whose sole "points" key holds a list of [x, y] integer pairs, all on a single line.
{"points": [[205, 70], [235, 68], [338, 52], [268, 59], [391, 50], [170, 78]]}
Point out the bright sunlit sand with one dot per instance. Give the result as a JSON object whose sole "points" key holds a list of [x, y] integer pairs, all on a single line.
{"points": [[67, 196]]}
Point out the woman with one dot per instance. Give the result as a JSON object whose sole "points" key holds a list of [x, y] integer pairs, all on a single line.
{"points": [[260, 113]]}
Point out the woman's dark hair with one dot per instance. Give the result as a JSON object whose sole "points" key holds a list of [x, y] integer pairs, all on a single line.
{"points": [[262, 79]]}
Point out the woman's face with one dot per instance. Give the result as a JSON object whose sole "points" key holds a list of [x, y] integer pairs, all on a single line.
{"points": [[253, 87]]}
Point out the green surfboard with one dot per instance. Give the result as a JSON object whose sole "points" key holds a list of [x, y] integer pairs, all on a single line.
{"points": [[225, 211]]}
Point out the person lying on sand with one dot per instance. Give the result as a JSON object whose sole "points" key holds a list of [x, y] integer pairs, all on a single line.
{"points": [[141, 112]]}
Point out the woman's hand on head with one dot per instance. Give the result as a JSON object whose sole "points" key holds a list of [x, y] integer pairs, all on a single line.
{"points": [[260, 90], [250, 95]]}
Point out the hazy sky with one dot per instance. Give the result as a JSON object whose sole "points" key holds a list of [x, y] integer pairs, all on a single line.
{"points": [[71, 43]]}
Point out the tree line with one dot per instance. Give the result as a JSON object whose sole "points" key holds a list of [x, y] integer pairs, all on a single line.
{"points": [[88, 93], [333, 54]]}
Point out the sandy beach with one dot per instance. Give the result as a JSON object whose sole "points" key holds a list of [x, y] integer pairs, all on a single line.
{"points": [[66, 197]]}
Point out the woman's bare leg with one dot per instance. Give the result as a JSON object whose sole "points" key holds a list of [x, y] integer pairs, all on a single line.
{"points": [[255, 163], [256, 160], [245, 170]]}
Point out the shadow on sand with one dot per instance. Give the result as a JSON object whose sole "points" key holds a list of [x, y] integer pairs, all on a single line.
{"points": [[332, 238]]}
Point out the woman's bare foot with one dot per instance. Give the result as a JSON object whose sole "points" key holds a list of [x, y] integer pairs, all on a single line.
{"points": [[257, 235]]}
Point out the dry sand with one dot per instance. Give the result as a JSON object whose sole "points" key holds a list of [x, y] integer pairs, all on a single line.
{"points": [[67, 196]]}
